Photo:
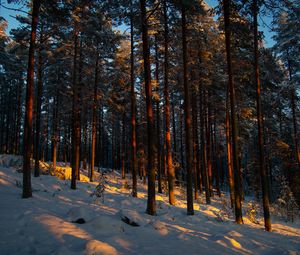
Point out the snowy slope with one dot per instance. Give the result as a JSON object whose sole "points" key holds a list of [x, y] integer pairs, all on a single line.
{"points": [[43, 224]]}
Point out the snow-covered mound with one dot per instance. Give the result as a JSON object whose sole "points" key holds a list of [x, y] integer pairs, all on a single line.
{"points": [[58, 220]]}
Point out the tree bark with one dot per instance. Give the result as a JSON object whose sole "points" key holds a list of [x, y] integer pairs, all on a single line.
{"points": [[195, 144], [94, 121], [262, 165], [229, 153], [76, 127], [151, 204], [158, 145], [38, 109], [123, 147], [133, 110], [237, 177], [189, 186], [27, 190], [209, 145], [55, 131], [170, 168]]}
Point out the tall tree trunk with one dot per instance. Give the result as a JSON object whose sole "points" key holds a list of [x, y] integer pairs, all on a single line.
{"points": [[85, 138], [174, 125], [55, 131], [94, 121], [19, 117], [38, 109], [76, 127], [217, 155], [151, 205], [47, 131], [27, 191], [181, 141], [204, 146], [235, 163], [170, 168], [195, 143], [209, 145], [133, 110], [189, 160], [123, 147], [262, 166], [158, 145], [229, 153]]}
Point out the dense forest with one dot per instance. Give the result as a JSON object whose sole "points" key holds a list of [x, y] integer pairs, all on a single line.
{"points": [[174, 93]]}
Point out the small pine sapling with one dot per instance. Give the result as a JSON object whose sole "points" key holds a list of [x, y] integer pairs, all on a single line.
{"points": [[253, 211], [100, 188]]}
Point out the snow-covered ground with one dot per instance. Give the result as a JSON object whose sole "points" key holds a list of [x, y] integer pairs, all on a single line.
{"points": [[44, 224]]}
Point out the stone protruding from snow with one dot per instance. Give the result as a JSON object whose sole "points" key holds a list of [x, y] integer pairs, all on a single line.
{"points": [[95, 247], [77, 213], [133, 217]]}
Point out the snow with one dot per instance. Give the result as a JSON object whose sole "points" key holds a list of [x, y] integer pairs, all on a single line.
{"points": [[44, 224]]}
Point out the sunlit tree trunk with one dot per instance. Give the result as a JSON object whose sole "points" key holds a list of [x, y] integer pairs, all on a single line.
{"points": [[229, 153], [235, 163], [170, 168]]}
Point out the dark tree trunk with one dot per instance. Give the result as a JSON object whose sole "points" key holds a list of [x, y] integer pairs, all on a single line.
{"points": [[85, 139], [94, 121], [189, 160], [38, 109], [19, 117], [217, 155], [75, 110], [123, 147], [181, 141], [235, 163], [47, 131], [158, 145], [195, 143], [27, 191], [203, 145], [209, 146], [133, 111], [151, 205], [262, 166], [55, 131]]}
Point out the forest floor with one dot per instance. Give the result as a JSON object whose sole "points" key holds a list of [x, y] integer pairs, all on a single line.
{"points": [[44, 224]]}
